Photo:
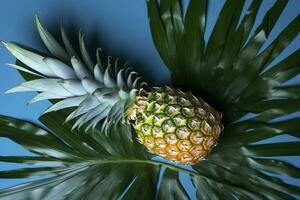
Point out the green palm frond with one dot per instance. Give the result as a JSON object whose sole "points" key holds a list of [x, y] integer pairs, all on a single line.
{"points": [[80, 164], [229, 70]]}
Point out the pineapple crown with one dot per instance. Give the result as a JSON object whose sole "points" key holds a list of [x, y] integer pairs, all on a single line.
{"points": [[99, 93]]}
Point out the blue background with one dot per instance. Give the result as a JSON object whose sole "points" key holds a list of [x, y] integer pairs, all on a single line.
{"points": [[120, 27]]}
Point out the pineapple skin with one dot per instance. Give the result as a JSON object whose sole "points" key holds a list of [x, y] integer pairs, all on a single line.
{"points": [[175, 125]]}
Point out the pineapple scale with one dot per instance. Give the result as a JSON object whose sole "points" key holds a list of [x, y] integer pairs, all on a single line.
{"points": [[175, 125]]}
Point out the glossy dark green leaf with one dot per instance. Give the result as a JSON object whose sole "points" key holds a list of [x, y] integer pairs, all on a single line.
{"points": [[147, 178], [253, 184], [205, 189], [249, 19], [223, 44], [276, 149], [286, 69], [54, 187], [272, 109], [276, 167], [194, 24], [158, 31], [256, 131], [32, 160], [108, 169], [227, 180], [35, 139], [262, 60], [271, 17], [230, 71], [172, 19], [73, 138], [281, 42], [230, 76], [170, 187]]}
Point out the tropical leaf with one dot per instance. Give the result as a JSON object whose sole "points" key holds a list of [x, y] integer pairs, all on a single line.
{"points": [[86, 165], [231, 71], [229, 67], [83, 164], [80, 164]]}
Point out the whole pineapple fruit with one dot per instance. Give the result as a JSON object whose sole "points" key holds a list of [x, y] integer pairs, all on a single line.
{"points": [[175, 125], [168, 122]]}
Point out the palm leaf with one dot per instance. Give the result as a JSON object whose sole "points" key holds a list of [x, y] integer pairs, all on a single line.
{"points": [[228, 67], [114, 165], [80, 164], [231, 71], [89, 166]]}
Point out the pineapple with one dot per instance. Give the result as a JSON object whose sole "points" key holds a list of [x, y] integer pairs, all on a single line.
{"points": [[175, 125], [168, 122]]}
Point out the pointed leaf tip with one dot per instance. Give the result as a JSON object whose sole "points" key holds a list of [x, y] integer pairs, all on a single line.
{"points": [[4, 44], [79, 68], [37, 20], [8, 45], [84, 52], [18, 88], [50, 42]]}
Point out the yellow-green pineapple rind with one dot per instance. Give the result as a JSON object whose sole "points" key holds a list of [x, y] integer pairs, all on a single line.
{"points": [[175, 125]]}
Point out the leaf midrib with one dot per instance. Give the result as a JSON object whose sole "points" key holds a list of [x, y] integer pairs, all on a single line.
{"points": [[149, 162]]}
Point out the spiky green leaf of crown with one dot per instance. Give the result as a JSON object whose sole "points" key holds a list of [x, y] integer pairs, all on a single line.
{"points": [[98, 92]]}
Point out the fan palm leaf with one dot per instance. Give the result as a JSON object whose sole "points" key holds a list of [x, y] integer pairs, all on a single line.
{"points": [[229, 70], [79, 164], [232, 70]]}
